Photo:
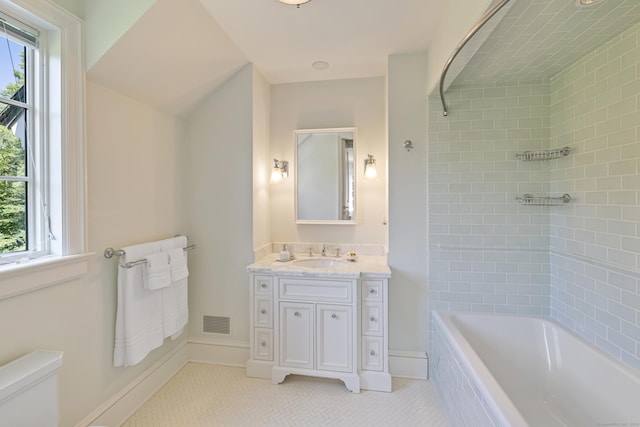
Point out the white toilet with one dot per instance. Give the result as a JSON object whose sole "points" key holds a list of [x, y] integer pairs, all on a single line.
{"points": [[29, 390]]}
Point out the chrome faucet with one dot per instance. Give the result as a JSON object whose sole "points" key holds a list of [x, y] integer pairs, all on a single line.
{"points": [[338, 253], [324, 250]]}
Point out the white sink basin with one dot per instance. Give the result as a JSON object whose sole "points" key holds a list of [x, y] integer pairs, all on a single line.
{"points": [[320, 262]]}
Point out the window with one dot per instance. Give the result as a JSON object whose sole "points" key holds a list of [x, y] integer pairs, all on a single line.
{"points": [[23, 190], [42, 214]]}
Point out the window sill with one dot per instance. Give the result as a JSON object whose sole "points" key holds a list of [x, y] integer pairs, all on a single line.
{"points": [[17, 279]]}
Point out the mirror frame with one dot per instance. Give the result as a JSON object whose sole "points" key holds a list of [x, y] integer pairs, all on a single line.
{"points": [[298, 132]]}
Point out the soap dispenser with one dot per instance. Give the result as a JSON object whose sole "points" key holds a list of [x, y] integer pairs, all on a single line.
{"points": [[284, 254]]}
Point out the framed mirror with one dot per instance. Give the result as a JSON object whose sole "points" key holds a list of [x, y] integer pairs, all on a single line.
{"points": [[325, 186]]}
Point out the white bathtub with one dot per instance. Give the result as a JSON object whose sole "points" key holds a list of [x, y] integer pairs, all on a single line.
{"points": [[499, 370]]}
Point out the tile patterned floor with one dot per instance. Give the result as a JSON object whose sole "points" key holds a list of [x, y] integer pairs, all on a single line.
{"points": [[203, 395]]}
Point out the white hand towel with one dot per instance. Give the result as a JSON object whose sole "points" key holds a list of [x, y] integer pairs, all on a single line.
{"points": [[157, 271], [178, 263]]}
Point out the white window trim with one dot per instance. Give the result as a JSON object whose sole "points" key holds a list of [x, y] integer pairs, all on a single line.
{"points": [[68, 217]]}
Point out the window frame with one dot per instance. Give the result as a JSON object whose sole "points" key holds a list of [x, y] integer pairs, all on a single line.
{"points": [[35, 179], [64, 86]]}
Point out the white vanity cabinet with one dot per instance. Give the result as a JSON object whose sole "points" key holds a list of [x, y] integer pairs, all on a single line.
{"points": [[324, 326], [315, 329]]}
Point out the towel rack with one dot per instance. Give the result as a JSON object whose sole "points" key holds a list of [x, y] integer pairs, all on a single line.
{"points": [[110, 252], [557, 153], [529, 199]]}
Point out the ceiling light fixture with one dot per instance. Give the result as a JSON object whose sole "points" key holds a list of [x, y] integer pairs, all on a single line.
{"points": [[295, 3], [587, 2], [320, 65]]}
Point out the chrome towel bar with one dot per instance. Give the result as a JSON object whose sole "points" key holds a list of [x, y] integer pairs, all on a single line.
{"points": [[110, 252]]}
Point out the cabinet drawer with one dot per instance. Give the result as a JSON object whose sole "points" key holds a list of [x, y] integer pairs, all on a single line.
{"points": [[372, 290], [263, 312], [316, 290], [262, 285], [372, 318], [263, 345], [372, 353]]}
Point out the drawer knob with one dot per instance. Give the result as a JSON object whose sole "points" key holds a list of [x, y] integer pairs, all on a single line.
{"points": [[263, 286], [373, 319], [372, 291], [297, 314], [333, 316], [263, 311], [372, 352], [263, 343]]}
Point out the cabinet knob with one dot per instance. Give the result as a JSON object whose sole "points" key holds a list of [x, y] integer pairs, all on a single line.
{"points": [[297, 314], [372, 352], [333, 316], [263, 286], [263, 311], [372, 291], [263, 343], [372, 319]]}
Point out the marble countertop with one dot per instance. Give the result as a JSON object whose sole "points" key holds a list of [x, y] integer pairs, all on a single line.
{"points": [[365, 266]]}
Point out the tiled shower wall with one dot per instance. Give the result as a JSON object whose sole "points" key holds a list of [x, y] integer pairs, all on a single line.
{"points": [[579, 263], [595, 242], [488, 253]]}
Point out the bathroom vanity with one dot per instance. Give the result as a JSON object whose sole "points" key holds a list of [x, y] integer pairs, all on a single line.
{"points": [[323, 317]]}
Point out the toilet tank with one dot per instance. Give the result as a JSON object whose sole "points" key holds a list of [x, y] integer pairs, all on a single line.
{"points": [[29, 390]]}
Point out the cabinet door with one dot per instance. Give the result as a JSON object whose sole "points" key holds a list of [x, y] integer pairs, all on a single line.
{"points": [[296, 334], [334, 339]]}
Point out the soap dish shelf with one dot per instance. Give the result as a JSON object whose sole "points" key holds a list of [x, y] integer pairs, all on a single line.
{"points": [[529, 199], [558, 153]]}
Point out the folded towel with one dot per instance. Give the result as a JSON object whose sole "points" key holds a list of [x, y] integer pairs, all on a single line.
{"points": [[178, 263], [144, 318], [157, 271]]}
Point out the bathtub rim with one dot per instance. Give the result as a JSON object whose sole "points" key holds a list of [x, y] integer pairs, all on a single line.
{"points": [[492, 393]]}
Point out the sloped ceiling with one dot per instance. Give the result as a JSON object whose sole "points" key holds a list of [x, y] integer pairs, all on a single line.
{"points": [[537, 39], [180, 50], [171, 58], [354, 36]]}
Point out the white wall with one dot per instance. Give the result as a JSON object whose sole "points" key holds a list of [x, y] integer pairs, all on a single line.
{"points": [[132, 159], [408, 315], [356, 103], [219, 206], [262, 161]]}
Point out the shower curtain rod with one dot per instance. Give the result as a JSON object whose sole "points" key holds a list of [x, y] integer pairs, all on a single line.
{"points": [[462, 43]]}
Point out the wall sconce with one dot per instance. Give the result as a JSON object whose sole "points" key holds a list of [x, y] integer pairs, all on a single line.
{"points": [[279, 172], [370, 170]]}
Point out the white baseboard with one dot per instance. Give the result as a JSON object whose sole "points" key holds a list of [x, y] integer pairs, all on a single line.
{"points": [[116, 410], [218, 352], [408, 364]]}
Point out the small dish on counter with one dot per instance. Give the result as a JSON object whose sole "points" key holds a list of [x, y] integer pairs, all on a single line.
{"points": [[351, 256]]}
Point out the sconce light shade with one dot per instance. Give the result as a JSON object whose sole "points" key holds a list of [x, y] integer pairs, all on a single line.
{"points": [[279, 172], [370, 170]]}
